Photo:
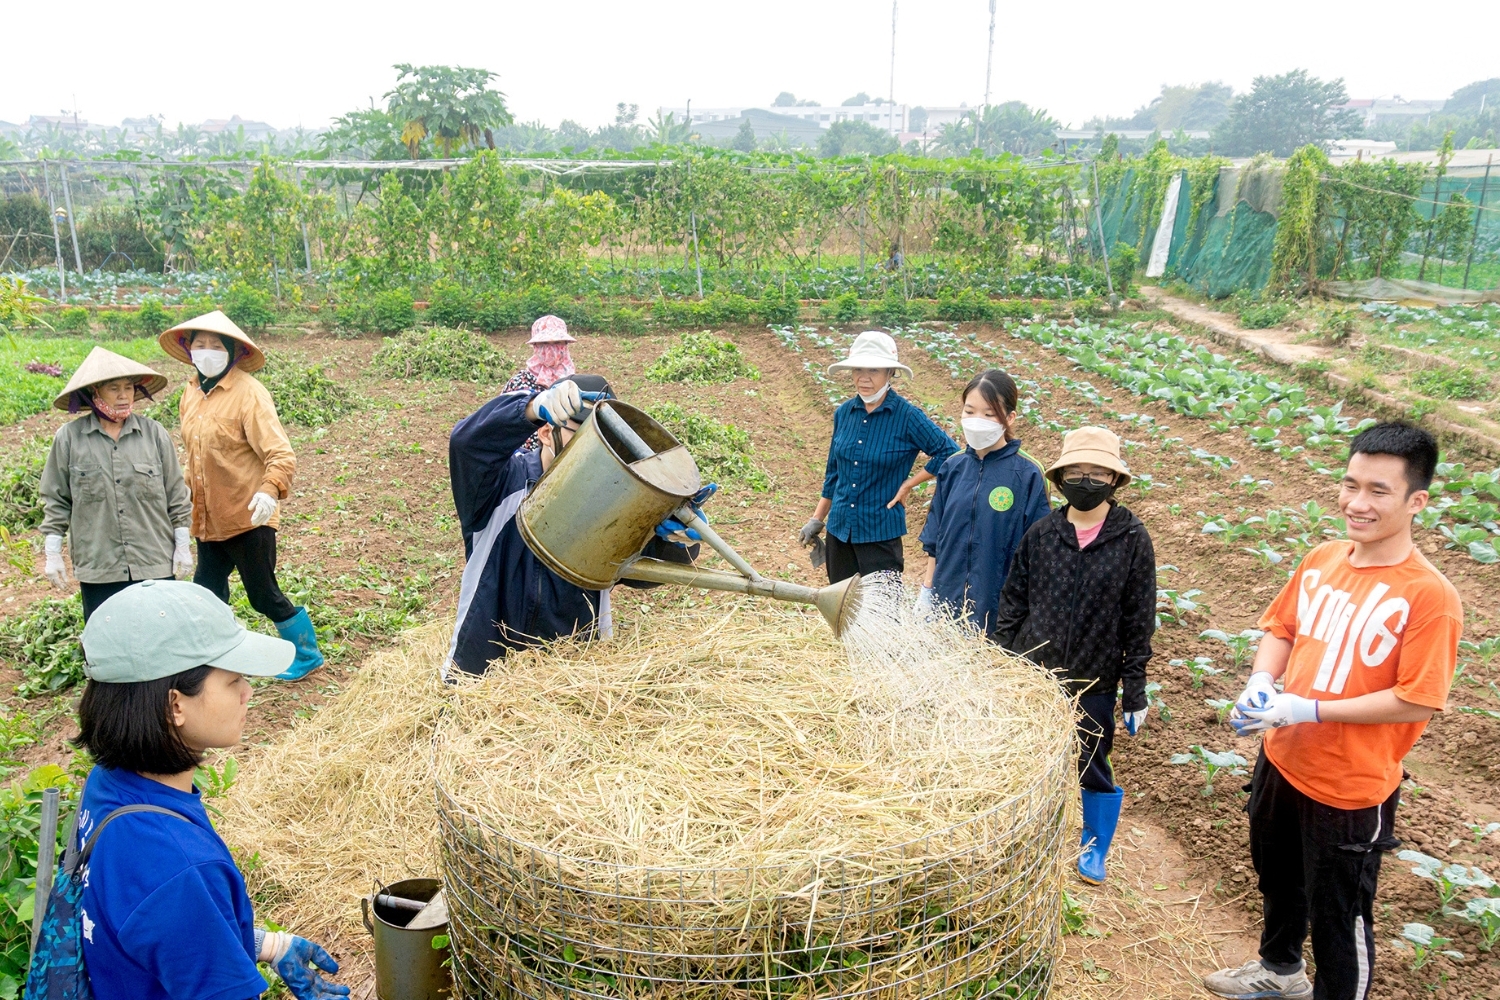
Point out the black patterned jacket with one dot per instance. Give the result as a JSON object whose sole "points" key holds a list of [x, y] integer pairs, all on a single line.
{"points": [[1088, 615]]}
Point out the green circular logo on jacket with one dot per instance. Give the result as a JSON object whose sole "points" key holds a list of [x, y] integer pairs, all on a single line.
{"points": [[1001, 498]]}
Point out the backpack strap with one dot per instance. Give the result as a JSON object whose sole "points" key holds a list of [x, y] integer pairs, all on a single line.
{"points": [[81, 858]]}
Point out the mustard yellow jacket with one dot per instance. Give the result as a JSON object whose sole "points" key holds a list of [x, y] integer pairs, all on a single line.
{"points": [[235, 448]]}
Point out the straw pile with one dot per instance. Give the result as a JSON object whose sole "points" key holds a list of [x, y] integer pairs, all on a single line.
{"points": [[344, 798], [739, 802]]}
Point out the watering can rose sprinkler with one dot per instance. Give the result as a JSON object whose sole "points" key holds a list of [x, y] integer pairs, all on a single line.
{"points": [[623, 479]]}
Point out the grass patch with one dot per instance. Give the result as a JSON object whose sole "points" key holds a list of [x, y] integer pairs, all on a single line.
{"points": [[701, 357], [1264, 315], [304, 395], [721, 450], [21, 485], [369, 604], [43, 644], [442, 353], [1450, 383], [23, 393]]}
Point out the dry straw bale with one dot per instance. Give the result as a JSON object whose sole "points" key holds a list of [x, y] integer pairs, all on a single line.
{"points": [[345, 797], [724, 797]]}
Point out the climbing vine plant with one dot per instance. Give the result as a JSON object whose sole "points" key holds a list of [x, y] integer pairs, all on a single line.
{"points": [[1305, 203]]}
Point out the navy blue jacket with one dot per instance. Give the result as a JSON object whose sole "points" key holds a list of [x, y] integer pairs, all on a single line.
{"points": [[980, 511], [508, 598], [869, 457]]}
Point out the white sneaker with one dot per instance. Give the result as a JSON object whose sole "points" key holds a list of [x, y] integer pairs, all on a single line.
{"points": [[1255, 980]]}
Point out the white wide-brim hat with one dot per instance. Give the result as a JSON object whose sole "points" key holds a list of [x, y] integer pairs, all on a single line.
{"points": [[871, 349], [106, 366]]}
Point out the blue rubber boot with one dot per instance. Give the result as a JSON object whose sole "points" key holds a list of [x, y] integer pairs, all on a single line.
{"points": [[1101, 815], [299, 631]]}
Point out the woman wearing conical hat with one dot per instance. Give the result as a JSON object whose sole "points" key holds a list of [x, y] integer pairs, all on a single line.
{"points": [[112, 483], [239, 467]]}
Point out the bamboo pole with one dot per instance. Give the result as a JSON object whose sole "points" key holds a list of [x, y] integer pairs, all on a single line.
{"points": [[62, 272], [62, 169], [1478, 216]]}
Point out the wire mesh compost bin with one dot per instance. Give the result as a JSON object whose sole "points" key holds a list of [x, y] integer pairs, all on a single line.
{"points": [[733, 816]]}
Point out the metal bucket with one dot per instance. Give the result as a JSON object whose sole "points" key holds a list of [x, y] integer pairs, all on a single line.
{"points": [[594, 509], [407, 966]]}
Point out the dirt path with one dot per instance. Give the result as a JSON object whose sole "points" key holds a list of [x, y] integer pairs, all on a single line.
{"points": [[1289, 347]]}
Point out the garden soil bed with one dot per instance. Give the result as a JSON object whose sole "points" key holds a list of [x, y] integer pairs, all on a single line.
{"points": [[371, 500]]}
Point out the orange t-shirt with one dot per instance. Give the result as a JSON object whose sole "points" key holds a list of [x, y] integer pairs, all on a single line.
{"points": [[1354, 631]]}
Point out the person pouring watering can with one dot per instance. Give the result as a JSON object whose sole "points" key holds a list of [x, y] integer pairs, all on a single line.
{"points": [[113, 484], [508, 598], [877, 435], [153, 892], [239, 467]]}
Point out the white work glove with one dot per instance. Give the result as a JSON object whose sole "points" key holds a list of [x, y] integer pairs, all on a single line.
{"points": [[560, 403], [55, 570], [182, 553], [1259, 691], [812, 529], [261, 507], [1285, 709], [924, 600], [1135, 720]]}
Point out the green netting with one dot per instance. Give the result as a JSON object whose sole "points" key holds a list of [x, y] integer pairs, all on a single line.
{"points": [[1121, 212], [1226, 253]]}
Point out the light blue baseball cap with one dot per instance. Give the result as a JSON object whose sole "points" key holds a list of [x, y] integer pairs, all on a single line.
{"points": [[160, 628]]}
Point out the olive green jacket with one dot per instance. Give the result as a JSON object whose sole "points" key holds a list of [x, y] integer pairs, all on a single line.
{"points": [[119, 500]]}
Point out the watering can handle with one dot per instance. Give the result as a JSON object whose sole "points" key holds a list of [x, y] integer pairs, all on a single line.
{"points": [[588, 397], [364, 905]]}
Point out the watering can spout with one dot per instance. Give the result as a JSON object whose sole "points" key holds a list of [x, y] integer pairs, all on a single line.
{"points": [[599, 502], [837, 602]]}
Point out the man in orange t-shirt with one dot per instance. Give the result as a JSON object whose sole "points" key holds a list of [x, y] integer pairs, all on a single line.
{"points": [[1364, 638]]}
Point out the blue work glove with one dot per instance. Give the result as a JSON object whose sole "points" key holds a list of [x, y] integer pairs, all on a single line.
{"points": [[297, 961], [672, 527], [1135, 720], [924, 600], [1260, 689], [1285, 709]]}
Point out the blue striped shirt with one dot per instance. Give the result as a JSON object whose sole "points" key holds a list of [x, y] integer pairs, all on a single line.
{"points": [[869, 457]]}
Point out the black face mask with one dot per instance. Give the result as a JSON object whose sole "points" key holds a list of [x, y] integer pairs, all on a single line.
{"points": [[1085, 495]]}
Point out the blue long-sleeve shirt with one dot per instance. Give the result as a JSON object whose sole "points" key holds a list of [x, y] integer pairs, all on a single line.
{"points": [[869, 456], [980, 511]]}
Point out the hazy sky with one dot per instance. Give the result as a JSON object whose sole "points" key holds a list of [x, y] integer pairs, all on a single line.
{"points": [[305, 62]]}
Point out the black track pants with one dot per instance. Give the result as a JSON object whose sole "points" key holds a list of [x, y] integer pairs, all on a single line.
{"points": [[1096, 741], [253, 553], [1317, 866], [847, 558]]}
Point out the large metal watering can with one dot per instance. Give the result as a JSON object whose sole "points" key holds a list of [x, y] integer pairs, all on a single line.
{"points": [[599, 502]]}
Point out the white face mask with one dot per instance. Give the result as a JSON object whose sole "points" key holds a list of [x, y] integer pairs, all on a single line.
{"points": [[877, 396], [982, 433], [210, 362]]}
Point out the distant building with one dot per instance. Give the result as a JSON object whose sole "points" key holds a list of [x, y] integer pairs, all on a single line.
{"points": [[62, 123], [766, 124], [1375, 110], [232, 126], [1363, 149], [1086, 134], [891, 117]]}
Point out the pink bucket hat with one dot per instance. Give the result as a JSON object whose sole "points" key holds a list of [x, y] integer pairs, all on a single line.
{"points": [[550, 330]]}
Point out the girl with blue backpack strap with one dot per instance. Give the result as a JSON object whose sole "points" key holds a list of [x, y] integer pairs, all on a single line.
{"points": [[148, 903]]}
